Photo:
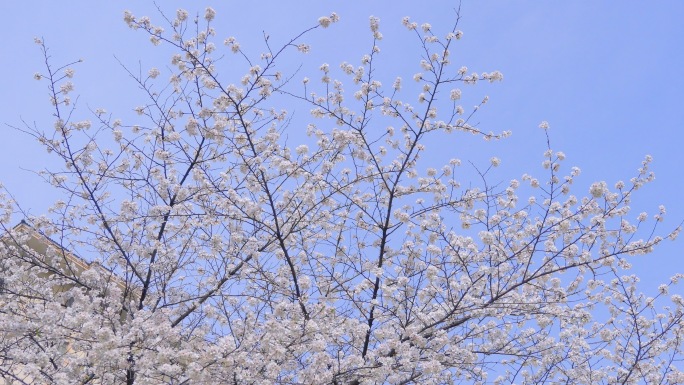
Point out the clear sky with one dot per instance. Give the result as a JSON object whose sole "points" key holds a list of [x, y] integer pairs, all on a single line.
{"points": [[606, 75]]}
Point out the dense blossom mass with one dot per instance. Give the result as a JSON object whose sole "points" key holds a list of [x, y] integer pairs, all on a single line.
{"points": [[226, 249]]}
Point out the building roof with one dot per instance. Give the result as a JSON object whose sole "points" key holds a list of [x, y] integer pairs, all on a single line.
{"points": [[38, 245]]}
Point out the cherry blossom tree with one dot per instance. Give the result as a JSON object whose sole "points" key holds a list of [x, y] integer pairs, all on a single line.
{"points": [[223, 253]]}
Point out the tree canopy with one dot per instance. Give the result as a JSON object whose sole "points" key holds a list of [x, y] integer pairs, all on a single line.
{"points": [[236, 242]]}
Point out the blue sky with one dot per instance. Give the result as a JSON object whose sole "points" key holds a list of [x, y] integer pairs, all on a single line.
{"points": [[604, 74]]}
